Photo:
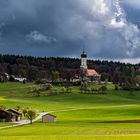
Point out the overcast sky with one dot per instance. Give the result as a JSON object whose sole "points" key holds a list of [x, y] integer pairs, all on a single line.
{"points": [[107, 29]]}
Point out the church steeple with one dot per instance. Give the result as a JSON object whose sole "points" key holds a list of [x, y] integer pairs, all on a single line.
{"points": [[84, 60], [84, 55]]}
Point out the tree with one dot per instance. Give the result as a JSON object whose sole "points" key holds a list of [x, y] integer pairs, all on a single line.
{"points": [[137, 81], [55, 75], [18, 107], [103, 89], [24, 111], [2, 107], [33, 73], [104, 76], [30, 115]]}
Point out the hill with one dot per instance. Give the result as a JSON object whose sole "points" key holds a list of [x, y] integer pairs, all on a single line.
{"points": [[79, 116]]}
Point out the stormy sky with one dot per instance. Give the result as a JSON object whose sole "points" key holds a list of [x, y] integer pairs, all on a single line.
{"points": [[107, 29]]}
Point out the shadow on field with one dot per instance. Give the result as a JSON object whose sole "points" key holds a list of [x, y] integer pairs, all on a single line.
{"points": [[122, 121]]}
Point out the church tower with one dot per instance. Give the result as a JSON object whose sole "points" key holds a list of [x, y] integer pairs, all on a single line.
{"points": [[84, 61]]}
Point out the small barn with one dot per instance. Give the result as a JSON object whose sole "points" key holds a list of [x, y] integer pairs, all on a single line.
{"points": [[49, 118], [17, 116]]}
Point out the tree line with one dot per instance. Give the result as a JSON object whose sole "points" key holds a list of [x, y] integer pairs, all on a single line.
{"points": [[37, 68]]}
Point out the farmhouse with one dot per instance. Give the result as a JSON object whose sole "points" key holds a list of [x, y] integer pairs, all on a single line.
{"points": [[48, 118], [9, 115], [18, 115]]}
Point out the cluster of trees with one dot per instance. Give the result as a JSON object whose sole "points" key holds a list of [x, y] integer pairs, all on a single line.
{"points": [[48, 89], [36, 68], [100, 90]]}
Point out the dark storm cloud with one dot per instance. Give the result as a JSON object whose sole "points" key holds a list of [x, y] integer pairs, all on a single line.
{"points": [[64, 27]]}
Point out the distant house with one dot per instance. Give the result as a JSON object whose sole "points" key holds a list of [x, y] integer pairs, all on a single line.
{"points": [[10, 115], [5, 116], [48, 118], [93, 75], [19, 79], [18, 115]]}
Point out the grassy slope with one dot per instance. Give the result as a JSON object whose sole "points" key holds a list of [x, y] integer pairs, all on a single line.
{"points": [[78, 124]]}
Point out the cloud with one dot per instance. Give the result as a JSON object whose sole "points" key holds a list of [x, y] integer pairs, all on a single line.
{"points": [[134, 3], [63, 28], [36, 36]]}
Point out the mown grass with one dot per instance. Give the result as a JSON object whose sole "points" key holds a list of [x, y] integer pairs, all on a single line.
{"points": [[5, 124], [85, 117]]}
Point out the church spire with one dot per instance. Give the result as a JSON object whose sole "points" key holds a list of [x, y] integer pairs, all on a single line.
{"points": [[84, 55], [84, 60]]}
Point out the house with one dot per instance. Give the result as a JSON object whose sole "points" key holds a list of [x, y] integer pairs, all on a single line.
{"points": [[20, 79], [93, 75], [17, 115], [5, 116], [10, 115], [48, 118]]}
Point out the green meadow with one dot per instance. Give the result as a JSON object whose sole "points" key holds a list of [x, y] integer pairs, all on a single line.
{"points": [[79, 116]]}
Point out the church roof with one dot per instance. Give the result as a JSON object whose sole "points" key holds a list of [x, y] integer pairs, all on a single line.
{"points": [[91, 72]]}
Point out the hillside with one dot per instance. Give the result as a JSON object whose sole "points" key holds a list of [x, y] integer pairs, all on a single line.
{"points": [[85, 116]]}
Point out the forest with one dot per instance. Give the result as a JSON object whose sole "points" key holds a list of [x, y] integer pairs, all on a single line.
{"points": [[37, 68]]}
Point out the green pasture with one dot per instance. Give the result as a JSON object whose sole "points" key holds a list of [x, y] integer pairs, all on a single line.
{"points": [[79, 116]]}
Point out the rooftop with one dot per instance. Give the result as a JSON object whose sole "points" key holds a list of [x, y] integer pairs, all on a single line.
{"points": [[91, 72]]}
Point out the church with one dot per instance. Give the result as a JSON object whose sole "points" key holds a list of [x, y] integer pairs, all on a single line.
{"points": [[91, 74]]}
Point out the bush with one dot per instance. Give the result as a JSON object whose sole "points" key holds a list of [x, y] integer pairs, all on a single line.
{"points": [[130, 87], [116, 87], [2, 107], [43, 81], [69, 89], [93, 90], [46, 86], [102, 89]]}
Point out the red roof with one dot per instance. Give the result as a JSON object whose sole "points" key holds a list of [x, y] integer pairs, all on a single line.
{"points": [[91, 72]]}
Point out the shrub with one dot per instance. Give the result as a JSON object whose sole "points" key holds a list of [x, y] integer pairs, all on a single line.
{"points": [[69, 89], [47, 87], [43, 81], [116, 87], [102, 89], [2, 107]]}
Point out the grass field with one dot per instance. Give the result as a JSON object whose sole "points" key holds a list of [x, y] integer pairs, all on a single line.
{"points": [[85, 116]]}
